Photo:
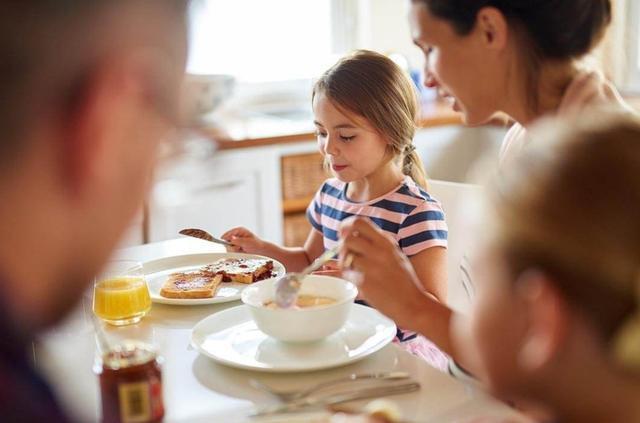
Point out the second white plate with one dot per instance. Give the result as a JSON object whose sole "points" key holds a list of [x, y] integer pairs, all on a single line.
{"points": [[231, 337], [157, 272]]}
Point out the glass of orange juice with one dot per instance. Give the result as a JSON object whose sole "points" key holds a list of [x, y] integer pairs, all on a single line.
{"points": [[120, 295]]}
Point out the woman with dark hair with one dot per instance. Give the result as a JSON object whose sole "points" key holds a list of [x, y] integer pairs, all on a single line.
{"points": [[517, 57]]}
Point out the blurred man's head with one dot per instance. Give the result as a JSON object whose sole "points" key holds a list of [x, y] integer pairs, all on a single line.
{"points": [[88, 88]]}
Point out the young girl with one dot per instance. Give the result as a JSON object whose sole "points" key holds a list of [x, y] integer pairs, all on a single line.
{"points": [[557, 319], [365, 111]]}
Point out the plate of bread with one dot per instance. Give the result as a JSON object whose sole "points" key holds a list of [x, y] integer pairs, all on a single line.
{"points": [[210, 278]]}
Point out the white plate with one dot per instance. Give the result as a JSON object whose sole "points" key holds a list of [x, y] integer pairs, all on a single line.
{"points": [[231, 337], [157, 271]]}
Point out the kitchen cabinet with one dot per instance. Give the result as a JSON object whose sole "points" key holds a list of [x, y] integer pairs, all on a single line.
{"points": [[216, 193], [265, 189]]}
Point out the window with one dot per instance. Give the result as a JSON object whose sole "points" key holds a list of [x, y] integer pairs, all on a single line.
{"points": [[261, 41], [632, 35]]}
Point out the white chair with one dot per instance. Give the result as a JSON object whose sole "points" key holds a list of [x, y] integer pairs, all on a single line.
{"points": [[459, 203]]}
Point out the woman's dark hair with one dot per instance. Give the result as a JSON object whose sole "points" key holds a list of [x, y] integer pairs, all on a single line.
{"points": [[549, 29], [558, 29]]}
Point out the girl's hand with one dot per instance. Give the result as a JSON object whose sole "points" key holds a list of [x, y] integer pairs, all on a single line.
{"points": [[244, 241], [385, 276]]}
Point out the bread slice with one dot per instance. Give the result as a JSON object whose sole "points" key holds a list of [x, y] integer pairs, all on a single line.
{"points": [[196, 284], [241, 270]]}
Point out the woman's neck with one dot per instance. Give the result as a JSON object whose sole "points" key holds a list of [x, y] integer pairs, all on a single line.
{"points": [[378, 183], [553, 80]]}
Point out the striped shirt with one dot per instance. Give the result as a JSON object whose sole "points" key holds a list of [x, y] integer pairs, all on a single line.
{"points": [[408, 213]]}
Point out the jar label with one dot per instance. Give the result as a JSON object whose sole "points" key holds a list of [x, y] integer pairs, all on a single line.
{"points": [[135, 404]]}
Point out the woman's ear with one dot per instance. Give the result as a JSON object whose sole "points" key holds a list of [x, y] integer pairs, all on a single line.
{"points": [[493, 27], [547, 320]]}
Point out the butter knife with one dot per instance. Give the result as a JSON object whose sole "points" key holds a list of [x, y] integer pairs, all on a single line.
{"points": [[202, 234]]}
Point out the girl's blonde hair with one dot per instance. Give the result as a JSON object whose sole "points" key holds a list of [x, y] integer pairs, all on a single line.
{"points": [[371, 85], [571, 208]]}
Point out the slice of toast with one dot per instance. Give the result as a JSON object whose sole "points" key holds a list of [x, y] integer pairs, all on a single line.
{"points": [[241, 270], [191, 285]]}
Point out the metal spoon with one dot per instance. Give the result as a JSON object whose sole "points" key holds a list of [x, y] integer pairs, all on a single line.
{"points": [[287, 287], [202, 234]]}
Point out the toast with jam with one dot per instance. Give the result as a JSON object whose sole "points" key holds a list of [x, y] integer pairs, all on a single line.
{"points": [[198, 284], [242, 270]]}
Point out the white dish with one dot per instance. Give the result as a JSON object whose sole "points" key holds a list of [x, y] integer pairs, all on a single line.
{"points": [[157, 271], [231, 337], [302, 324]]}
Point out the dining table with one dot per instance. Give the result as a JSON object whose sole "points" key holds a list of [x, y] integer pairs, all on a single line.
{"points": [[199, 389]]}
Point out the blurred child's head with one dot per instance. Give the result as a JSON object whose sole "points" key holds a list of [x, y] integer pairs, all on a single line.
{"points": [[365, 111], [559, 275]]}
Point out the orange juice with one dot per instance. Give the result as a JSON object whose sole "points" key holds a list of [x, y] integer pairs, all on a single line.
{"points": [[121, 300]]}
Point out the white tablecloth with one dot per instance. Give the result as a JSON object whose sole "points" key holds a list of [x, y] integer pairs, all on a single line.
{"points": [[197, 389]]}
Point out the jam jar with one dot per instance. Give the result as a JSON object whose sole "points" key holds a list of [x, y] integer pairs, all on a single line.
{"points": [[131, 384]]}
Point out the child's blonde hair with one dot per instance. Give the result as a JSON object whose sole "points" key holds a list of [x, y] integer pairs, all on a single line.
{"points": [[571, 208], [372, 86]]}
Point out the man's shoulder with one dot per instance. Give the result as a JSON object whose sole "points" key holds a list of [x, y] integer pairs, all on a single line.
{"points": [[24, 395]]}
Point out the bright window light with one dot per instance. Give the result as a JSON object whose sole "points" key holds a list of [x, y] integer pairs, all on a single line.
{"points": [[261, 40]]}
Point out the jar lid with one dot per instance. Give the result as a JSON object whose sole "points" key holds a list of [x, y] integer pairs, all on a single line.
{"points": [[128, 354]]}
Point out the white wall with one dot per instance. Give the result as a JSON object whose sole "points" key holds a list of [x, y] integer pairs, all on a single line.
{"points": [[383, 26], [459, 154]]}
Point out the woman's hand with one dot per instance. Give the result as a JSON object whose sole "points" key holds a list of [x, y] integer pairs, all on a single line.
{"points": [[387, 281], [244, 241]]}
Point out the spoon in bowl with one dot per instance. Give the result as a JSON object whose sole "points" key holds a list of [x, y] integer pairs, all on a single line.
{"points": [[202, 234], [287, 287]]}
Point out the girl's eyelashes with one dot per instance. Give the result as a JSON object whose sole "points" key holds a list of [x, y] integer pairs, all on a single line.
{"points": [[321, 134]]}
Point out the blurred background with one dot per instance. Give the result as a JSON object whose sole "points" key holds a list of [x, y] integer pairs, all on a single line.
{"points": [[275, 48], [250, 71]]}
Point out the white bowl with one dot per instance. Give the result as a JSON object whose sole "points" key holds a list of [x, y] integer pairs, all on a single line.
{"points": [[302, 324], [204, 93]]}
